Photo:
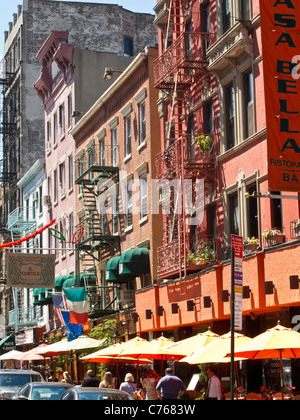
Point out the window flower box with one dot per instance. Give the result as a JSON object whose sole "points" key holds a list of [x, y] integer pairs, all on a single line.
{"points": [[251, 245], [274, 237]]}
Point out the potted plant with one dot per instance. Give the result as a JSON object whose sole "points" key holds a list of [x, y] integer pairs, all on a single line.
{"points": [[274, 237], [251, 244], [296, 227], [204, 142]]}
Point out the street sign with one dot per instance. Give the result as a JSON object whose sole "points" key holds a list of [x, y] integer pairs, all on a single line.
{"points": [[237, 244]]}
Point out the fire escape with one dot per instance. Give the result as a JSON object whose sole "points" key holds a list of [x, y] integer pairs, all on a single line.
{"points": [[98, 238], [182, 67]]}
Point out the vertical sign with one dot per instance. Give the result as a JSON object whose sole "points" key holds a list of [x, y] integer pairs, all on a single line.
{"points": [[237, 245], [280, 28]]}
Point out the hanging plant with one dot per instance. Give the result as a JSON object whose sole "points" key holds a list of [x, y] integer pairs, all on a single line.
{"points": [[204, 142]]}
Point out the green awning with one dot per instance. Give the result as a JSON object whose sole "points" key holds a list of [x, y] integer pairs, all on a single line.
{"points": [[112, 270], [134, 262], [59, 281], [8, 343], [42, 296]]}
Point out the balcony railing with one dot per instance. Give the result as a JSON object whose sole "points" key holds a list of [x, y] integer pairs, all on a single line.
{"points": [[22, 318], [199, 255], [187, 52], [21, 219], [98, 161], [183, 153]]}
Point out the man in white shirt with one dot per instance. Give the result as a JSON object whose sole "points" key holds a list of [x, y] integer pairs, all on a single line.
{"points": [[214, 386]]}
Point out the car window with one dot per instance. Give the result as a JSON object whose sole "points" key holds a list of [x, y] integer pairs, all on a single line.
{"points": [[24, 392], [68, 396], [97, 396], [10, 380], [47, 393]]}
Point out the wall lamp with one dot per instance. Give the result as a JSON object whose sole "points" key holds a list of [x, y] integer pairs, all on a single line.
{"points": [[76, 114], [294, 282], [134, 317], [269, 288], [108, 73], [246, 292], [190, 304], [225, 295], [148, 314], [159, 310], [207, 302], [174, 308]]}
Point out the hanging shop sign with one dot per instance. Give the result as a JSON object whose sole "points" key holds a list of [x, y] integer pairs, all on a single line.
{"points": [[280, 27], [31, 270]]}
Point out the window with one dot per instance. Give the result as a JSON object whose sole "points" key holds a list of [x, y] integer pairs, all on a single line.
{"points": [[142, 122], [62, 120], [49, 139], [245, 12], [229, 116], [191, 138], [212, 220], [62, 180], [71, 227], [49, 185], [55, 128], [252, 209], [55, 186], [129, 212], [208, 117], [102, 153], [143, 196], [70, 173], [127, 124], [70, 110], [115, 214], [41, 199], [114, 147], [226, 15], [128, 46], [276, 211], [234, 214], [248, 105]]}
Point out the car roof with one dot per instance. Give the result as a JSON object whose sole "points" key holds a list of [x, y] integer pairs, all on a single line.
{"points": [[19, 372], [50, 384], [100, 390]]}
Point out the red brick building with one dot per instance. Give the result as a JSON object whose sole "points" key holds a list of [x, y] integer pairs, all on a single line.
{"points": [[212, 112]]}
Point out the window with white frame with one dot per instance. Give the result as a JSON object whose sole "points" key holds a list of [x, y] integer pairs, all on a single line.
{"points": [[62, 120], [55, 128], [62, 178], [71, 227], [70, 111], [129, 203], [142, 122], [55, 185], [248, 105], [143, 196], [127, 127], [40, 199], [114, 146], [229, 100], [49, 136], [70, 171], [102, 152]]}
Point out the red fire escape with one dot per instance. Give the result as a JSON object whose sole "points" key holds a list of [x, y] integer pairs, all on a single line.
{"points": [[178, 72]]}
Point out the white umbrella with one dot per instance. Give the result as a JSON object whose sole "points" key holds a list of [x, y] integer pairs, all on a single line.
{"points": [[12, 355]]}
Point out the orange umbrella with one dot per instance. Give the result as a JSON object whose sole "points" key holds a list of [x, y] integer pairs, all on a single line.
{"points": [[276, 343], [153, 350], [183, 347]]}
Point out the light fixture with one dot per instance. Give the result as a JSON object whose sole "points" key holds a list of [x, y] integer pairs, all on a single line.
{"points": [[159, 310], [76, 114], [174, 308], [294, 282], [269, 288], [190, 305], [108, 73], [225, 296], [246, 292], [207, 302], [148, 314]]}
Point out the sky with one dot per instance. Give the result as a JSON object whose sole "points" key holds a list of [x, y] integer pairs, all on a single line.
{"points": [[9, 7]]}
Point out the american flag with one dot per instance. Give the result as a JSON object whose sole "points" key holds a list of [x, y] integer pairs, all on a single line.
{"points": [[59, 305]]}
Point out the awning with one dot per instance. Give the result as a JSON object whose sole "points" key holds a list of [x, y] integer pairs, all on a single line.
{"points": [[59, 281], [112, 270], [134, 262], [7, 344], [42, 297]]}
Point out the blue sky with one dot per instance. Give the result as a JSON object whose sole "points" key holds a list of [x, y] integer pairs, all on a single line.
{"points": [[9, 7]]}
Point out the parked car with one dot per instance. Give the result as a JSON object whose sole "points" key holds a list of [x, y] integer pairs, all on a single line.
{"points": [[12, 380], [36, 391], [87, 394]]}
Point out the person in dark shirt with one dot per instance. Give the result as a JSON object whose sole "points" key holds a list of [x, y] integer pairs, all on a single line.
{"points": [[91, 380], [170, 387]]}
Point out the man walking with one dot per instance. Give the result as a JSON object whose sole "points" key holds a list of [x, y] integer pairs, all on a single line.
{"points": [[91, 380], [170, 387]]}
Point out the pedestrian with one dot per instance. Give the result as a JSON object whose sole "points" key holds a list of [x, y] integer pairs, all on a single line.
{"points": [[67, 378], [91, 380], [51, 377], [170, 387], [149, 384], [107, 381], [213, 391], [129, 386]]}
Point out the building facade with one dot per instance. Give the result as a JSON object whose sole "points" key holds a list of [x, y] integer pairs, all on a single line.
{"points": [[213, 127], [116, 141]]}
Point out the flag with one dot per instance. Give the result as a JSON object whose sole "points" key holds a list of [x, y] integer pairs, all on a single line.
{"points": [[77, 305], [59, 305], [73, 330]]}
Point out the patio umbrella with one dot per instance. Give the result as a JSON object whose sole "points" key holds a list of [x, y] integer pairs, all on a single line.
{"points": [[216, 351], [183, 347], [276, 343], [85, 343], [61, 347], [12, 355]]}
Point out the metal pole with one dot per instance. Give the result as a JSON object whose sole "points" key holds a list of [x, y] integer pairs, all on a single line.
{"points": [[232, 296]]}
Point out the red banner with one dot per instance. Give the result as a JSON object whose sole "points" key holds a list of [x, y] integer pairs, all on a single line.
{"points": [[280, 26]]}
